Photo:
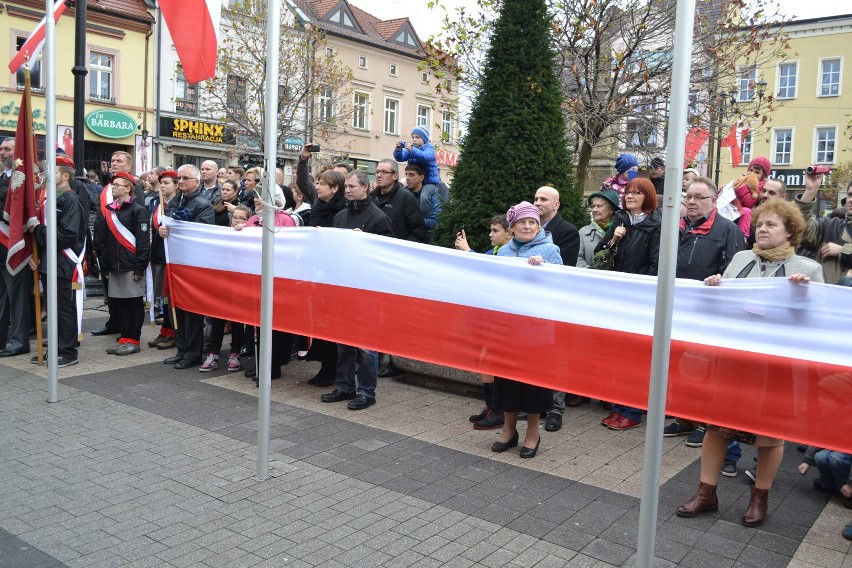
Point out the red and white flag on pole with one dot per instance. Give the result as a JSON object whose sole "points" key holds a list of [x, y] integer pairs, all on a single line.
{"points": [[32, 47], [19, 211], [193, 25], [734, 140]]}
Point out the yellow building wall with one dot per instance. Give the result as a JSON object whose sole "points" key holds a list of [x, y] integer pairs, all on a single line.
{"points": [[809, 44]]}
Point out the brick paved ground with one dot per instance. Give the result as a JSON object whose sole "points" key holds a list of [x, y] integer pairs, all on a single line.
{"points": [[143, 465]]}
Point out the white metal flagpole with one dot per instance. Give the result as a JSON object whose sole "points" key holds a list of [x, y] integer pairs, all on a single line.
{"points": [[270, 153], [50, 205], [684, 22]]}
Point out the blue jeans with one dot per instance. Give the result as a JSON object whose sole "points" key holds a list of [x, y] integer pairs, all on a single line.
{"points": [[734, 452], [833, 469], [368, 370], [628, 412]]}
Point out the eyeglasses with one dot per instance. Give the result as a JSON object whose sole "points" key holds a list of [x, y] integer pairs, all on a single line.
{"points": [[187, 178], [637, 193], [384, 172], [697, 197]]}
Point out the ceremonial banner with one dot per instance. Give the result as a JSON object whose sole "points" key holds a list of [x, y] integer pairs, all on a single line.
{"points": [[762, 355]]}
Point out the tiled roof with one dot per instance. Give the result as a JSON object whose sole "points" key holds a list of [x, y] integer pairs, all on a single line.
{"points": [[135, 9], [375, 31]]}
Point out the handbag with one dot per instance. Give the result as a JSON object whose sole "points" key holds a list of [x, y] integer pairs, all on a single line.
{"points": [[604, 259]]}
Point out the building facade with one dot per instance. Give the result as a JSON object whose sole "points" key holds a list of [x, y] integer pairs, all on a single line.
{"points": [[119, 100], [813, 93]]}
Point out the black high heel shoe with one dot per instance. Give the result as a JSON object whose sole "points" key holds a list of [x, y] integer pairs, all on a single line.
{"points": [[530, 452], [503, 446]]}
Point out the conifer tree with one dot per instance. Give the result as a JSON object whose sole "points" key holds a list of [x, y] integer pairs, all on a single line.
{"points": [[515, 140]]}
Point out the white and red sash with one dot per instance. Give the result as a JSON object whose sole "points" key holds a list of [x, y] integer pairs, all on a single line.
{"points": [[122, 234], [78, 283], [4, 234]]}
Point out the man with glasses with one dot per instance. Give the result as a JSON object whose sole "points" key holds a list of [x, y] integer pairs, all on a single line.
{"points": [[399, 204], [188, 205], [706, 246], [827, 237]]}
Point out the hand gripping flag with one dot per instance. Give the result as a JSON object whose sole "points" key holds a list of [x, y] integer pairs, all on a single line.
{"points": [[20, 208], [193, 25], [32, 47]]}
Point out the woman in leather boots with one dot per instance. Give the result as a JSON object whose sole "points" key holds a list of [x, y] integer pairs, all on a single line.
{"points": [[778, 228]]}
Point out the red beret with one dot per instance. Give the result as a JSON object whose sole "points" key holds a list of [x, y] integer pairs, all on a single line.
{"points": [[168, 174], [63, 160], [123, 175]]}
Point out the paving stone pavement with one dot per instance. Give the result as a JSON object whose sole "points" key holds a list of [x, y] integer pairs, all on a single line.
{"points": [[142, 465]]}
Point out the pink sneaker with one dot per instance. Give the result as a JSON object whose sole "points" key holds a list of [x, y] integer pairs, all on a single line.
{"points": [[210, 364], [234, 362]]}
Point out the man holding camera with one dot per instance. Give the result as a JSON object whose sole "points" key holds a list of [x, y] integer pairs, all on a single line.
{"points": [[829, 238]]}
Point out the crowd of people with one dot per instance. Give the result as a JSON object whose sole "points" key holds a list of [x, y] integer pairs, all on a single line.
{"points": [[766, 236]]}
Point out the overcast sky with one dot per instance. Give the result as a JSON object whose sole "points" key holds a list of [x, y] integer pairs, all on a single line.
{"points": [[428, 22]]}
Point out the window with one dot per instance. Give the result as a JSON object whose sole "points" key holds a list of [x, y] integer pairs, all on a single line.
{"points": [[393, 69], [326, 104], [391, 116], [829, 81], [35, 69], [745, 156], [640, 133], [329, 52], [447, 125], [423, 116], [746, 84], [186, 95], [100, 77], [787, 76], [826, 136], [407, 38], [783, 146], [360, 111], [236, 95], [424, 77], [362, 61]]}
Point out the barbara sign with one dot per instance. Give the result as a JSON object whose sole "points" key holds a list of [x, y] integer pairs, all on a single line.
{"points": [[110, 123]]}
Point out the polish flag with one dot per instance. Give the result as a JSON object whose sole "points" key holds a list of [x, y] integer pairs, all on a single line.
{"points": [[761, 355], [193, 25], [734, 140], [695, 140], [32, 47]]}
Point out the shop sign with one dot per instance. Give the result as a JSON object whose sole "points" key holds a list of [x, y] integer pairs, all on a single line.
{"points": [[196, 130], [110, 123], [251, 160], [793, 177], [9, 117], [293, 144]]}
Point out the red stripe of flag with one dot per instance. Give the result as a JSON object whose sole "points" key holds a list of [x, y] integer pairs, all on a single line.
{"points": [[191, 25], [32, 47]]}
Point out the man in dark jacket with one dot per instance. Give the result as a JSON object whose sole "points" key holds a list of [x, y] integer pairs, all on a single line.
{"points": [[395, 201], [706, 246], [564, 234], [827, 237], [71, 231], [188, 205], [361, 214]]}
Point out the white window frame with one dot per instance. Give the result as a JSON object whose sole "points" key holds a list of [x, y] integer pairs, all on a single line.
{"points": [[820, 73], [36, 76], [447, 124], [392, 114], [424, 77], [746, 149], [361, 118], [362, 61], [745, 78], [816, 154], [393, 69], [95, 72], [329, 51], [420, 120], [775, 131], [326, 105], [795, 86]]}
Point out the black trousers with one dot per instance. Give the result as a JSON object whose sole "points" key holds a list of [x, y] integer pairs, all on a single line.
{"points": [[217, 335], [128, 314], [66, 317], [189, 335], [15, 306]]}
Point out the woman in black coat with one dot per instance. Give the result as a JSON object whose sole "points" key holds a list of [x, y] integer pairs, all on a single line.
{"points": [[635, 231]]}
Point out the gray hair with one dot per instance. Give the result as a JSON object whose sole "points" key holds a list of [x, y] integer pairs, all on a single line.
{"points": [[361, 177], [192, 169], [392, 163]]}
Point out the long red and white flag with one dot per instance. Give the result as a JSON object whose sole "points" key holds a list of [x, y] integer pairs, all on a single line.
{"points": [[193, 25], [32, 47], [761, 355]]}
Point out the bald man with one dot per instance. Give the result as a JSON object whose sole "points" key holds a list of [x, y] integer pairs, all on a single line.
{"points": [[564, 234], [210, 189]]}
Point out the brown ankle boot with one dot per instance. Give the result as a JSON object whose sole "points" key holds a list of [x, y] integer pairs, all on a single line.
{"points": [[703, 500], [756, 512]]}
